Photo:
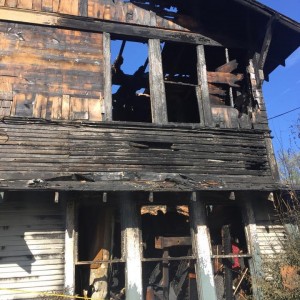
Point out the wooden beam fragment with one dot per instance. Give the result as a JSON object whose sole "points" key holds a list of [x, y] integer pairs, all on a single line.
{"points": [[215, 90], [228, 67], [225, 78], [156, 81], [204, 272]]}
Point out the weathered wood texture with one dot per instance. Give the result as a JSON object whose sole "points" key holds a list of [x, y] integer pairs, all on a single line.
{"points": [[50, 73], [157, 87], [110, 11], [31, 245], [260, 118], [198, 158]]}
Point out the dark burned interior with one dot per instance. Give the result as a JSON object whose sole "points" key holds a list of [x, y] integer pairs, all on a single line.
{"points": [[168, 255]]}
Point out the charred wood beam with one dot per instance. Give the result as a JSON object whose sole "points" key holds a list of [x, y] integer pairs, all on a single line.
{"points": [[96, 25], [156, 81], [238, 183], [203, 94], [107, 78], [266, 44]]}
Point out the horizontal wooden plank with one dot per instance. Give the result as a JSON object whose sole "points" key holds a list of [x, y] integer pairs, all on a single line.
{"points": [[34, 149], [89, 24]]}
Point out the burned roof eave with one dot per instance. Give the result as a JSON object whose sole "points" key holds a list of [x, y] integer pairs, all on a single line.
{"points": [[277, 55]]}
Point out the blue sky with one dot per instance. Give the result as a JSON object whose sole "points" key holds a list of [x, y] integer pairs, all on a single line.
{"points": [[282, 92]]}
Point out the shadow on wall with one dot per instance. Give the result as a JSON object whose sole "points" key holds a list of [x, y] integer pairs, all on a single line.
{"points": [[31, 235]]}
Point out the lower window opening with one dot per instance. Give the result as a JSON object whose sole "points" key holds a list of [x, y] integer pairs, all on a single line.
{"points": [[100, 271], [230, 255], [169, 262]]}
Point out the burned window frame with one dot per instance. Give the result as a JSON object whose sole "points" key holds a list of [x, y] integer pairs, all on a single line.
{"points": [[209, 115]]}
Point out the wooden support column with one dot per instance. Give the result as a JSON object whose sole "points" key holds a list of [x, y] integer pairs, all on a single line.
{"points": [[107, 78], [157, 86], [255, 262], [70, 247], [204, 102], [201, 244], [132, 248]]}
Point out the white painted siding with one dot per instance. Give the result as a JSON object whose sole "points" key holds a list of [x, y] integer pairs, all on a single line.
{"points": [[32, 232], [270, 233], [270, 238]]}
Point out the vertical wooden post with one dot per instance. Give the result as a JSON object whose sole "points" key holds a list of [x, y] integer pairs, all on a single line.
{"points": [[255, 262], [271, 157], [230, 88], [204, 102], [132, 248], [107, 78], [157, 86], [70, 247], [200, 236]]}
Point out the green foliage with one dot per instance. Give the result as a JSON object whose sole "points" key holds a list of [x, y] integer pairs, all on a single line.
{"points": [[288, 158], [273, 285]]}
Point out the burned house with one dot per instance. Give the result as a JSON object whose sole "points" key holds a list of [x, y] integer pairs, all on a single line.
{"points": [[137, 182]]}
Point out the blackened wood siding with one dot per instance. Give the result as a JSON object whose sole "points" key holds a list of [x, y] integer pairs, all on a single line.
{"points": [[50, 73], [32, 234], [104, 10], [202, 158]]}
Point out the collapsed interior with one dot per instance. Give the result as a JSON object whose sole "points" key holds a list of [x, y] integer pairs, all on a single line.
{"points": [[168, 257]]}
